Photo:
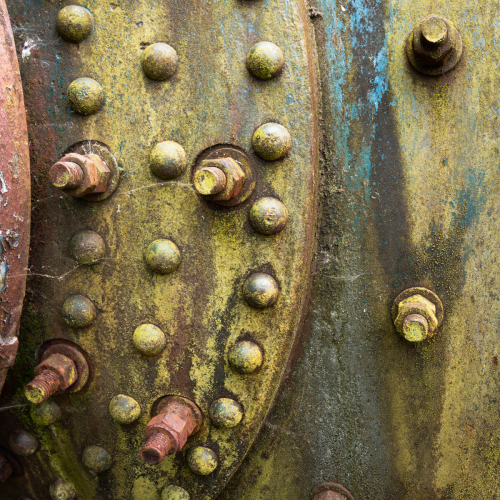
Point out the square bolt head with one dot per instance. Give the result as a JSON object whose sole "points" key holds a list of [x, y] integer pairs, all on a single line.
{"points": [[416, 304], [62, 366]]}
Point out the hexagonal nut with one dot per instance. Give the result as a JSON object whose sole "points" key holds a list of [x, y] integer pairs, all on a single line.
{"points": [[90, 174], [172, 425], [416, 304], [235, 177], [62, 366], [103, 172]]}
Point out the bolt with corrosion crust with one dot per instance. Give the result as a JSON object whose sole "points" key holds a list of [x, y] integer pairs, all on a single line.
{"points": [[54, 374], [177, 419]]}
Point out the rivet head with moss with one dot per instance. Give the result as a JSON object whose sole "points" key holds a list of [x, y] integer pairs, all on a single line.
{"points": [[62, 490], [271, 141], [268, 216], [159, 61], [22, 442], [87, 247], [260, 290], [79, 311], [124, 409], [174, 493], [74, 23], [226, 412], [265, 60], [245, 356], [97, 459], [167, 160], [85, 96], [45, 413], [149, 339], [202, 460], [162, 256]]}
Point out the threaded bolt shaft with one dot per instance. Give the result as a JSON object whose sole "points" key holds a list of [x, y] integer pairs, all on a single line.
{"points": [[157, 447], [42, 387], [66, 175]]}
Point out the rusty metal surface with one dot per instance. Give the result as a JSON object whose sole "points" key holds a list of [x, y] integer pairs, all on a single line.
{"points": [[192, 291], [14, 196]]}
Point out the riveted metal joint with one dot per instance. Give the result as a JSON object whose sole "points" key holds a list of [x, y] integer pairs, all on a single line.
{"points": [[417, 314]]}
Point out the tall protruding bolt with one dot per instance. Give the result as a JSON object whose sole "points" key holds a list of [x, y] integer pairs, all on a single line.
{"points": [[66, 175], [433, 32], [56, 373], [209, 180], [167, 433]]}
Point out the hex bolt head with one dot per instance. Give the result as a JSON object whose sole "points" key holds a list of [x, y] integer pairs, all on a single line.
{"points": [[260, 290], [124, 409], [45, 414], [85, 96], [226, 413], [79, 311], [202, 460], [87, 247], [174, 493], [159, 61], [271, 141], [22, 442], [66, 175], [62, 490], [245, 356], [268, 216], [167, 160], [97, 459], [209, 180], [55, 373], [149, 339], [163, 256], [168, 431], [434, 46], [265, 60], [74, 23]]}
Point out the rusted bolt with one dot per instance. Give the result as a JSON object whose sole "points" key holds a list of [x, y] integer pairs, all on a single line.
{"points": [[62, 490], [54, 374], [167, 432], [22, 442], [261, 290], [202, 460], [74, 23], [330, 491], [80, 175], [6, 468], [417, 314], [220, 179], [434, 46]]}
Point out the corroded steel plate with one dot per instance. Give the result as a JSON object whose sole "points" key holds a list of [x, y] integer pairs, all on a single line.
{"points": [[210, 100]]}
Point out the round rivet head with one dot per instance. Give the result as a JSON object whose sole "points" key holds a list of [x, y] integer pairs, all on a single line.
{"points": [[85, 96], [149, 339], [124, 409], [74, 23], [96, 458], [226, 412], [268, 216], [174, 493], [45, 413], [61, 490], [271, 141], [22, 442], [78, 311], [167, 160], [87, 247], [261, 290], [163, 256], [245, 356], [265, 60], [159, 61], [202, 460]]}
